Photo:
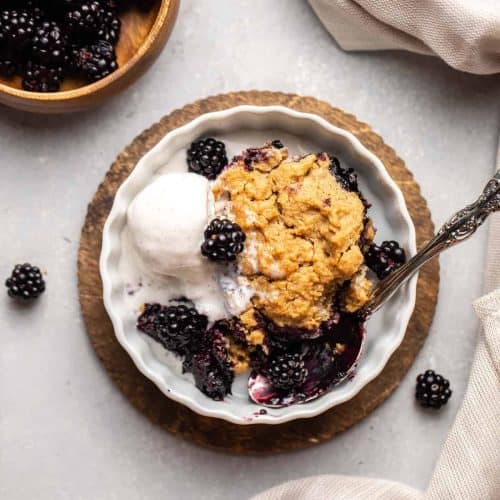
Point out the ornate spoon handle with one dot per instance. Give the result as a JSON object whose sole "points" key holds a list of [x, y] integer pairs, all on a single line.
{"points": [[458, 228]]}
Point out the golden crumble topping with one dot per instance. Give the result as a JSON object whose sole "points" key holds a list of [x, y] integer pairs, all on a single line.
{"points": [[303, 230]]}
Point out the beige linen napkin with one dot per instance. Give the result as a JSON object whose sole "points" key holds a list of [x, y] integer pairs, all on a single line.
{"points": [[469, 465], [464, 33]]}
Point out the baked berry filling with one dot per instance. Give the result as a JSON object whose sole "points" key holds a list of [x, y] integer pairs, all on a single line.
{"points": [[385, 259], [181, 329], [309, 368]]}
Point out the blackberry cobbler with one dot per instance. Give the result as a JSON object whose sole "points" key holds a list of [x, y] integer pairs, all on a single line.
{"points": [[266, 261]]}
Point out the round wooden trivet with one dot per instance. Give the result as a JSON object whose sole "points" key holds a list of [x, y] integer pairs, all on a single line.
{"points": [[214, 433]]}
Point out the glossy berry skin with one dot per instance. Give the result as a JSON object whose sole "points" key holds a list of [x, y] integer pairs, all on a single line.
{"points": [[432, 390], [224, 240], [25, 282], [40, 78], [211, 377], [16, 28], [93, 20], [181, 329], [96, 61], [209, 363], [207, 157], [286, 371], [85, 18], [173, 326], [49, 44], [384, 259]]}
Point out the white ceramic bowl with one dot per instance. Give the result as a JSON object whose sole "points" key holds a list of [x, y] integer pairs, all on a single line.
{"points": [[242, 127]]}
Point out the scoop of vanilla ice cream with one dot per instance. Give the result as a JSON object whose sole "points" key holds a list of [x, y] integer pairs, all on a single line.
{"points": [[166, 222]]}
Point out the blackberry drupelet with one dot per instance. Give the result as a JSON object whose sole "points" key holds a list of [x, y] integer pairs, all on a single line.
{"points": [[49, 44], [26, 282], [207, 157], [286, 371], [173, 326], [384, 259], [432, 390], [347, 178], [40, 78], [96, 61], [223, 240]]}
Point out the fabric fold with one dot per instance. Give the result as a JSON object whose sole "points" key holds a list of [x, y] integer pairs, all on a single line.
{"points": [[464, 33], [470, 460]]}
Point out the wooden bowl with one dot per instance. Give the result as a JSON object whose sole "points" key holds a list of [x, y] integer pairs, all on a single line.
{"points": [[143, 35]]}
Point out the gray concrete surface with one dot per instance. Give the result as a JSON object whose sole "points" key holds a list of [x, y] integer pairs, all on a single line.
{"points": [[65, 431]]}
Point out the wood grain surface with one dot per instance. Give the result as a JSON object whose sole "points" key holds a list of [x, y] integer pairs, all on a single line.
{"points": [[214, 433]]}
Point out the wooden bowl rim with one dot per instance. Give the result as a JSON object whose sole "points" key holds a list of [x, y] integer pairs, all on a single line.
{"points": [[160, 24]]}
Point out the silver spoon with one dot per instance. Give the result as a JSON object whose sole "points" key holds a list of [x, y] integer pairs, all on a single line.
{"points": [[458, 228]]}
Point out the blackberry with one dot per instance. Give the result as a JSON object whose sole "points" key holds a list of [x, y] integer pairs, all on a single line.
{"points": [[394, 251], [277, 144], [173, 326], [207, 157], [84, 18], [346, 177], [223, 240], [286, 371], [96, 61], [384, 259], [208, 361], [432, 390], [40, 78], [210, 377], [49, 44], [26, 282], [16, 28], [180, 328], [93, 20]]}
